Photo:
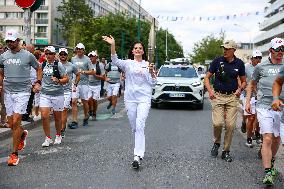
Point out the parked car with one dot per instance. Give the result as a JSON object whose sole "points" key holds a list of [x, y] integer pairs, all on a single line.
{"points": [[178, 83]]}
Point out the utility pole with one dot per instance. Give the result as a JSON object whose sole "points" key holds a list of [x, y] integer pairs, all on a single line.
{"points": [[166, 44], [139, 24]]}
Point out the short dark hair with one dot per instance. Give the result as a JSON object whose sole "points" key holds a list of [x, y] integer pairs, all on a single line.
{"points": [[131, 55]]}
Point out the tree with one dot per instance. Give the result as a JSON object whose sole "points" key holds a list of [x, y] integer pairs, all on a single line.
{"points": [[1, 39], [207, 49], [75, 18], [174, 49]]}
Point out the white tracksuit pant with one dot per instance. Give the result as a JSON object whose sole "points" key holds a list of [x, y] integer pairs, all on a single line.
{"points": [[137, 114]]}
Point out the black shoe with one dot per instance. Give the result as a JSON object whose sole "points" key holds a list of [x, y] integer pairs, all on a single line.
{"points": [[85, 122], [226, 156], [73, 125], [136, 162], [243, 127], [214, 150], [249, 143]]}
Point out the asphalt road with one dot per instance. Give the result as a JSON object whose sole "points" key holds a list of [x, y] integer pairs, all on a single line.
{"points": [[178, 144]]}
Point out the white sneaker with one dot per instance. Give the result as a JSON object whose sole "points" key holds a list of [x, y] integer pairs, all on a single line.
{"points": [[58, 139], [47, 142]]}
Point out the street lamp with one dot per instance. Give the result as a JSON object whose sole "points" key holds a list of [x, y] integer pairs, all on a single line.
{"points": [[249, 33]]}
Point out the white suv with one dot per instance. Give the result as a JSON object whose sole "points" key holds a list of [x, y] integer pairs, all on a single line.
{"points": [[178, 84]]}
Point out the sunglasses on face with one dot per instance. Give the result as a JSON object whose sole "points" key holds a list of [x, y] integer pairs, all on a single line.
{"points": [[49, 53], [9, 41], [62, 54], [279, 49], [258, 57], [79, 49]]}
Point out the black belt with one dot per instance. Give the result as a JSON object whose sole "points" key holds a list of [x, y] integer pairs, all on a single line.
{"points": [[225, 92]]}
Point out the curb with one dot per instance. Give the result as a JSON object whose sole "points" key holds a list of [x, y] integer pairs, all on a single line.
{"points": [[7, 132]]}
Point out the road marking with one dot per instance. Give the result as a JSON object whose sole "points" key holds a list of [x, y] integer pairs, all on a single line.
{"points": [[101, 117], [52, 149]]}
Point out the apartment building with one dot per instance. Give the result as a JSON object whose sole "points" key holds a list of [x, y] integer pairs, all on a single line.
{"points": [[272, 26], [44, 29]]}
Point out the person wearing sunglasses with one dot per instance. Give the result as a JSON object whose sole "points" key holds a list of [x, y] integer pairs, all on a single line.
{"points": [[83, 64], [249, 119], [15, 66], [228, 70], [52, 95], [140, 79], [268, 117], [71, 70]]}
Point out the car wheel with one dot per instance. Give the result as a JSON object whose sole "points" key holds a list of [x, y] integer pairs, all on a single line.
{"points": [[200, 106], [154, 105]]}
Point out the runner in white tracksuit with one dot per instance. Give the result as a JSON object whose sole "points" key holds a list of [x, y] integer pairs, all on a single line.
{"points": [[139, 80]]}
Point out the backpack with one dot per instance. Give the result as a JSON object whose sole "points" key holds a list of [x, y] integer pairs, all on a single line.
{"points": [[56, 72], [109, 68], [98, 69]]}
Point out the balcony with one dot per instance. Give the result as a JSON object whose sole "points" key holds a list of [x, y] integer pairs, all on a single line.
{"points": [[41, 21], [41, 35], [43, 8], [272, 21], [277, 31], [275, 6]]}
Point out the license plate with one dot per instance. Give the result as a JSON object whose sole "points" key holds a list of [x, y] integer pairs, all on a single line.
{"points": [[177, 95]]}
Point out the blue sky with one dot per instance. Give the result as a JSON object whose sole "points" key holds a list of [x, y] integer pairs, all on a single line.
{"points": [[188, 30]]}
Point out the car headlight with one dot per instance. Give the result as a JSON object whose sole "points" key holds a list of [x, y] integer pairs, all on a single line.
{"points": [[196, 84]]}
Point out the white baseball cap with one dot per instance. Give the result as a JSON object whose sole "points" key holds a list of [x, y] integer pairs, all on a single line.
{"points": [[11, 35], [80, 46], [276, 42], [50, 48], [256, 53], [93, 53], [229, 44], [63, 50]]}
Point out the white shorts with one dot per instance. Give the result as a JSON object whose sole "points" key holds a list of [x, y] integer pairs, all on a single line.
{"points": [[54, 102], [112, 89], [252, 103], [82, 92], [94, 92], [282, 132], [37, 99], [67, 100], [269, 121], [16, 103]]}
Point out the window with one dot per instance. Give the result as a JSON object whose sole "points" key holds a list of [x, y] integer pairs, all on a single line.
{"points": [[41, 29], [2, 15], [42, 16], [2, 2], [10, 2], [178, 72], [2, 28]]}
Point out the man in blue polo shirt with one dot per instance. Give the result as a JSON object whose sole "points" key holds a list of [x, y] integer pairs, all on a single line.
{"points": [[225, 95]]}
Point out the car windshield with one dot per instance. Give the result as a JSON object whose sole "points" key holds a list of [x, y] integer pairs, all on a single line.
{"points": [[177, 72]]}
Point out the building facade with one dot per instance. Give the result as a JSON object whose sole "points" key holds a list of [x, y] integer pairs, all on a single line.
{"points": [[272, 26], [45, 30]]}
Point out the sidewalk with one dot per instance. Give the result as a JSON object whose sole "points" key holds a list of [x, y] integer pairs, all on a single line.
{"points": [[6, 132]]}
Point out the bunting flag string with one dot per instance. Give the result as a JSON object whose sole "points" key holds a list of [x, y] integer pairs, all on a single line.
{"points": [[208, 18]]}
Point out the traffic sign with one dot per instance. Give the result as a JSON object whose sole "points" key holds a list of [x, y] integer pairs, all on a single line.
{"points": [[25, 4], [36, 5]]}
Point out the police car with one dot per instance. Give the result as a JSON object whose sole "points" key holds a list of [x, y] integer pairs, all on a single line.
{"points": [[178, 83]]}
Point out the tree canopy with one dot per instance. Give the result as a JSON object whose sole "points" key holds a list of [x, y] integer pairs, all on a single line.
{"points": [[207, 49]]}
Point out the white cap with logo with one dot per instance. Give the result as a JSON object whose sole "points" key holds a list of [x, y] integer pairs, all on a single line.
{"points": [[93, 53], [80, 46], [256, 53], [50, 48], [63, 50], [276, 42], [229, 44], [11, 35]]}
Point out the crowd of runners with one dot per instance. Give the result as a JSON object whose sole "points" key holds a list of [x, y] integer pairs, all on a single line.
{"points": [[46, 82]]}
